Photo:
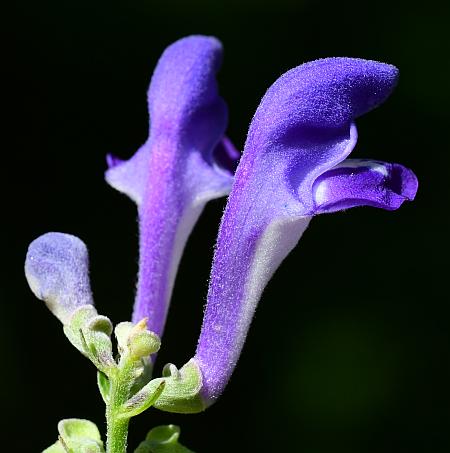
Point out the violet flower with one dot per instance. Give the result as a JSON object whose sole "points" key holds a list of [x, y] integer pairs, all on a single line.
{"points": [[293, 167], [57, 270], [185, 162]]}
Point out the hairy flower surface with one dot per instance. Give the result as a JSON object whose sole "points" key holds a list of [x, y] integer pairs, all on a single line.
{"points": [[293, 167], [185, 162], [57, 270]]}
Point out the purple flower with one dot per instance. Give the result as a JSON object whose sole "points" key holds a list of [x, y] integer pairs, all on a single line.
{"points": [[57, 270], [185, 162], [293, 167]]}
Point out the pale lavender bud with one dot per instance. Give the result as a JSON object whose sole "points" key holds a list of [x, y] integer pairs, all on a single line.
{"points": [[57, 270]]}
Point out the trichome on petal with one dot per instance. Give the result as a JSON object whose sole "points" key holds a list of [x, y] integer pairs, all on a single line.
{"points": [[57, 270], [185, 162]]}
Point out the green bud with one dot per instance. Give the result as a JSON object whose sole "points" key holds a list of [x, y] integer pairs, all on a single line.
{"points": [[143, 344], [135, 340], [122, 331]]}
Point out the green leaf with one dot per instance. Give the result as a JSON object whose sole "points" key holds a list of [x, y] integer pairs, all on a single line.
{"points": [[142, 400], [162, 439], [104, 386]]}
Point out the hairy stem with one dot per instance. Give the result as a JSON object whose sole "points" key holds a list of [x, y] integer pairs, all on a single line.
{"points": [[117, 433], [117, 423]]}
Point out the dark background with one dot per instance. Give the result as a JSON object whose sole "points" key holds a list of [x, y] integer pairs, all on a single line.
{"points": [[350, 348]]}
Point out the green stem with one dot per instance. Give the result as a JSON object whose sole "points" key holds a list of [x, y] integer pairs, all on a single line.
{"points": [[117, 424], [117, 434]]}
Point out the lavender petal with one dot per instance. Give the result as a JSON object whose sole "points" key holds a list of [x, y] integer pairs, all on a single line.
{"points": [[57, 270], [302, 128], [361, 182], [178, 169]]}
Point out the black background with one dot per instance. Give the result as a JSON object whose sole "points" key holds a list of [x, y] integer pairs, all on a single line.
{"points": [[350, 347]]}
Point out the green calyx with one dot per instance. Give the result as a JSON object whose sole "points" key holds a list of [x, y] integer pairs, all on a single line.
{"points": [[162, 439], [177, 391], [125, 382], [135, 340], [90, 333], [77, 436], [181, 393]]}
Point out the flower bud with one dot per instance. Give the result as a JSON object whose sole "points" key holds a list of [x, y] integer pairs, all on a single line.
{"points": [[56, 269]]}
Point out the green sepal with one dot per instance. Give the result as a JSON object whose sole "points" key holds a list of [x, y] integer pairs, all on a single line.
{"points": [[104, 385], [77, 321], [181, 393], [77, 436], [90, 334], [162, 439], [142, 400], [100, 324], [100, 349]]}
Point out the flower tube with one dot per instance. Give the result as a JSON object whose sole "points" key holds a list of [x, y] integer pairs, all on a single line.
{"points": [[293, 167], [185, 162]]}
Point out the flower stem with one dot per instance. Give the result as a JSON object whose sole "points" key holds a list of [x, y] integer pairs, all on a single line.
{"points": [[117, 424], [117, 433]]}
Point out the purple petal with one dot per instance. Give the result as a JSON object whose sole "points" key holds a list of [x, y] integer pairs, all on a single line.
{"points": [[302, 128], [57, 270], [185, 162], [183, 98], [226, 156], [360, 182], [305, 116], [129, 177]]}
